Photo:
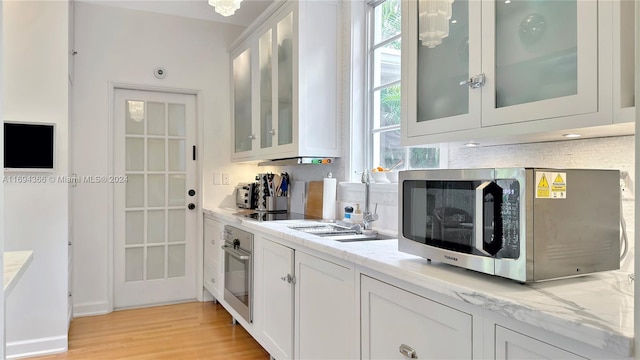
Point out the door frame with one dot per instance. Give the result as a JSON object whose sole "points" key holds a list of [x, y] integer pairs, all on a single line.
{"points": [[199, 111]]}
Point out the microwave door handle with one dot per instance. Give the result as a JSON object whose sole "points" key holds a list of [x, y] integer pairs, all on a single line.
{"points": [[489, 248], [238, 254]]}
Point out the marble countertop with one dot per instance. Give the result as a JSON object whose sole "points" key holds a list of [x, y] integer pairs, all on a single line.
{"points": [[15, 264], [595, 309]]}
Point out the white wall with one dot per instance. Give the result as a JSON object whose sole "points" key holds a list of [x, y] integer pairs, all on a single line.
{"points": [[36, 215], [123, 46]]}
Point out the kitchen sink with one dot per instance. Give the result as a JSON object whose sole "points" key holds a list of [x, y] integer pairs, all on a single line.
{"points": [[360, 237], [340, 233]]}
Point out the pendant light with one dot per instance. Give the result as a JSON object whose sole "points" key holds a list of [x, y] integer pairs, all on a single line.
{"points": [[225, 7]]}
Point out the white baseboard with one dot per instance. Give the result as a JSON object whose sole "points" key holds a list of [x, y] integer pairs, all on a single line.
{"points": [[90, 309], [36, 347]]}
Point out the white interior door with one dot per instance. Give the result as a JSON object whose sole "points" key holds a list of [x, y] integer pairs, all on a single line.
{"points": [[154, 224]]}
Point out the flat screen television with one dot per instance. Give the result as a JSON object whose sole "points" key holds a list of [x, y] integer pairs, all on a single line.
{"points": [[29, 146]]}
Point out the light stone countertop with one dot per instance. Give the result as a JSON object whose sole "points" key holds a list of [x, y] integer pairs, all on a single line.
{"points": [[595, 309], [15, 264]]}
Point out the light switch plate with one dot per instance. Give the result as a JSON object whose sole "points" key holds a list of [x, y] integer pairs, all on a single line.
{"points": [[217, 178]]}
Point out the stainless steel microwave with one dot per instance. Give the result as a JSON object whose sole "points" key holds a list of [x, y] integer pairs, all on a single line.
{"points": [[525, 224]]}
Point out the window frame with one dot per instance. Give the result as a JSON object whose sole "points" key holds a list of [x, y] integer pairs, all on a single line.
{"points": [[372, 154]]}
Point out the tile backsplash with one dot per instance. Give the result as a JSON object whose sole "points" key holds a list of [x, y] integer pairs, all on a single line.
{"points": [[601, 153]]}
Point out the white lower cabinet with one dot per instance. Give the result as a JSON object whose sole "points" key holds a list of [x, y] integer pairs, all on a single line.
{"points": [[213, 240], [274, 296], [511, 345], [397, 324], [325, 305], [304, 304]]}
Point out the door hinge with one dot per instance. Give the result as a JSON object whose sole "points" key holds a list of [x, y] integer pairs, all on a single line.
{"points": [[194, 152]]}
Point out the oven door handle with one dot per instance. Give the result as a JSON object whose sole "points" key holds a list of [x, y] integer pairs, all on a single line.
{"points": [[238, 254]]}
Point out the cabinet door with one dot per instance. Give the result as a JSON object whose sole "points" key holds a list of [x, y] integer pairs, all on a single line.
{"points": [[213, 241], [324, 309], [267, 87], [540, 59], [396, 322], [276, 272], [624, 61], [243, 135], [437, 67], [285, 55], [513, 345]]}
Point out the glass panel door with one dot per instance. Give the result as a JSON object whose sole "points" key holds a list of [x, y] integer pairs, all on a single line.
{"points": [[540, 59], [443, 61], [536, 51], [266, 90], [243, 133], [624, 60], [442, 50], [154, 231], [285, 79]]}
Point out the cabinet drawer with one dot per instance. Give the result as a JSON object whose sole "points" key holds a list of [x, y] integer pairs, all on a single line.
{"points": [[514, 345], [395, 322], [212, 279]]}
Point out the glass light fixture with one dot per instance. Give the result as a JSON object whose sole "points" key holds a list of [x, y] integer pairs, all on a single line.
{"points": [[433, 21], [225, 7]]}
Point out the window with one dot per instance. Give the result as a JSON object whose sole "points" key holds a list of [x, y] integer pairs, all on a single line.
{"points": [[383, 108]]}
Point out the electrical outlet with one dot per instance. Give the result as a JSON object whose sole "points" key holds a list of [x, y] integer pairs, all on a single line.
{"points": [[217, 178], [225, 179], [626, 186]]}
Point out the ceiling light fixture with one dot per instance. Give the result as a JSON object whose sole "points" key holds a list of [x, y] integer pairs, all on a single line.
{"points": [[571, 136], [472, 144], [225, 7]]}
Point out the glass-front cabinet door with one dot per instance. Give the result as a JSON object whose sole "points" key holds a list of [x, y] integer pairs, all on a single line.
{"points": [[624, 61], [540, 59], [284, 44], [242, 114], [443, 51], [275, 59], [265, 58], [474, 64]]}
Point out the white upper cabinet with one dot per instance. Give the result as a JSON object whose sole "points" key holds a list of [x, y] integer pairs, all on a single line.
{"points": [[505, 71], [286, 82]]}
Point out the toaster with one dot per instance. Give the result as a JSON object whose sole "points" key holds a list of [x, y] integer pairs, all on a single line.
{"points": [[245, 196]]}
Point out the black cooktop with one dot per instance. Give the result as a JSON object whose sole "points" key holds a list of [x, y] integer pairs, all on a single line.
{"points": [[274, 216]]}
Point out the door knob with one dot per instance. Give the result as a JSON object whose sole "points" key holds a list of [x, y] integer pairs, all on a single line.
{"points": [[191, 206], [192, 192]]}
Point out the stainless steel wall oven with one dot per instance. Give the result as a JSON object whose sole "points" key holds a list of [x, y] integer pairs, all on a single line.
{"points": [[238, 270]]}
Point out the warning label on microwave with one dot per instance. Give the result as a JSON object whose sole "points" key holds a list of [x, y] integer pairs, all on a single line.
{"points": [[551, 185]]}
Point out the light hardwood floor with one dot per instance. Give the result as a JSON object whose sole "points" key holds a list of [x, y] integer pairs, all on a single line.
{"points": [[179, 332]]}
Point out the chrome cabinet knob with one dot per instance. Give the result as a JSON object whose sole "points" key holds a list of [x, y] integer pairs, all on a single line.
{"points": [[408, 351], [474, 82]]}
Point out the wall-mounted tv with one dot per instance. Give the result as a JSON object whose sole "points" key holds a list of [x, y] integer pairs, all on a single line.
{"points": [[29, 146]]}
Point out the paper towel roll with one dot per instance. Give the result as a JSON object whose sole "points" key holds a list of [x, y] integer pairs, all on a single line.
{"points": [[329, 190]]}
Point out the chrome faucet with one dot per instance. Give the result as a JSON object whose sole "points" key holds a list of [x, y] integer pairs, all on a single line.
{"points": [[367, 215]]}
